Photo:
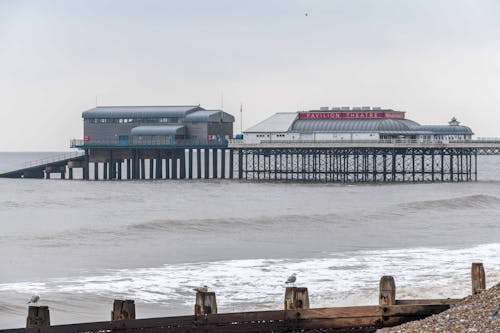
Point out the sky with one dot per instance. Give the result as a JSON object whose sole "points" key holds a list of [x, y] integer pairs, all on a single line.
{"points": [[433, 59]]}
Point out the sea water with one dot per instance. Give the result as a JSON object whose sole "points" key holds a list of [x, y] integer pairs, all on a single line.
{"points": [[82, 244]]}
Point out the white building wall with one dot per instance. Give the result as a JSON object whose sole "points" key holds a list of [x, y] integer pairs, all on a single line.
{"points": [[365, 136]]}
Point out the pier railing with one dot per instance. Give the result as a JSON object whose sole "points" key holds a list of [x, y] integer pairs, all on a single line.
{"points": [[141, 142], [53, 159], [366, 143]]}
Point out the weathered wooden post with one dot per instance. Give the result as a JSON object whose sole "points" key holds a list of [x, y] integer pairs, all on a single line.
{"points": [[478, 278], [205, 303], [38, 316], [123, 310], [296, 298], [387, 291]]}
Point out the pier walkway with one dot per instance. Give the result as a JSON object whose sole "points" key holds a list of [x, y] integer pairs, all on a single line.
{"points": [[53, 164], [310, 161]]}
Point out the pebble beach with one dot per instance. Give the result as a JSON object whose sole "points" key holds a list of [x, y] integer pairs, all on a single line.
{"points": [[475, 314]]}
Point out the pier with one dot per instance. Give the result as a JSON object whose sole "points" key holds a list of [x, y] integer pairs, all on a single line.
{"points": [[305, 161]]}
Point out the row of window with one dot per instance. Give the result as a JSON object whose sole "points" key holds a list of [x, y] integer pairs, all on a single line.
{"points": [[131, 120]]}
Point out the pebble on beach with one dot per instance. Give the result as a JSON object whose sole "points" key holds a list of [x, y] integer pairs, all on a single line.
{"points": [[477, 313]]}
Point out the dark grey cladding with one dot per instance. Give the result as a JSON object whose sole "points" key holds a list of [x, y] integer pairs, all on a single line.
{"points": [[353, 125], [140, 111]]}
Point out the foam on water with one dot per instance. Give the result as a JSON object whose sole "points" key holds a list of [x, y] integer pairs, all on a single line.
{"points": [[336, 279]]}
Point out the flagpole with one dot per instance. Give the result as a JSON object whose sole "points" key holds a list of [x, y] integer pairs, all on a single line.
{"points": [[241, 118]]}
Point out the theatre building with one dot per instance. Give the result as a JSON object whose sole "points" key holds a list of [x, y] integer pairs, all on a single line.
{"points": [[355, 124]]}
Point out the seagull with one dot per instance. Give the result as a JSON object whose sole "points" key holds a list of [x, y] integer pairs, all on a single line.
{"points": [[34, 299], [203, 289], [291, 279]]}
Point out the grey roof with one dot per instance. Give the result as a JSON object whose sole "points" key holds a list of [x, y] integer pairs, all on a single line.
{"points": [[159, 130], [446, 129], [279, 122], [213, 116], [140, 111], [353, 125]]}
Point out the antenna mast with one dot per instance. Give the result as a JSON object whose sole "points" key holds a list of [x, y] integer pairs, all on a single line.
{"points": [[241, 118]]}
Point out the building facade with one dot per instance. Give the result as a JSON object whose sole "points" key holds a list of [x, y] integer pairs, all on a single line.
{"points": [[354, 124], [155, 125]]}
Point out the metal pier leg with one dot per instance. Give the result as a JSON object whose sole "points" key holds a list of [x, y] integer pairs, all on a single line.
{"points": [[168, 161], [246, 165], [85, 165], [413, 164], [384, 158], [432, 161], [183, 164], [143, 168], [442, 165], [198, 163], [214, 163], [128, 168], [159, 166], [207, 163], [451, 166], [190, 163], [96, 171], [112, 166], [240, 163], [223, 163], [231, 163], [393, 169], [423, 166], [174, 166], [475, 165], [105, 169]]}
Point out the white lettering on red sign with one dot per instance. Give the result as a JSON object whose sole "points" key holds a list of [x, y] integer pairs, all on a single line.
{"points": [[350, 115]]}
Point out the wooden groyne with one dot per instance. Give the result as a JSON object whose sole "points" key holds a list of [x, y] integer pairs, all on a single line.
{"points": [[295, 315]]}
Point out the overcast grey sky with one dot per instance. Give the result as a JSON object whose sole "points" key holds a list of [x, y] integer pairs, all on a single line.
{"points": [[434, 59]]}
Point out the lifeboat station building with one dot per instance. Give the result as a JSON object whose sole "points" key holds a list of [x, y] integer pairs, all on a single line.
{"points": [[352, 124], [154, 142], [155, 125]]}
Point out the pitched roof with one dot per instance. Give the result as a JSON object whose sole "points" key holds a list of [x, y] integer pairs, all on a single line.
{"points": [[140, 111], [279, 122]]}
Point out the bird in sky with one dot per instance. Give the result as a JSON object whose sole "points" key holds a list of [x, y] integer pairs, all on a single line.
{"points": [[34, 299], [291, 279]]}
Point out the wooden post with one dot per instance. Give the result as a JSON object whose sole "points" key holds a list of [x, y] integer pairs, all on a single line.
{"points": [[387, 291], [123, 310], [205, 303], [478, 278], [296, 298], [38, 316]]}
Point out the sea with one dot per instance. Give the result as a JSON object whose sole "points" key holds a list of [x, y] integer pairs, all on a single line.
{"points": [[82, 244]]}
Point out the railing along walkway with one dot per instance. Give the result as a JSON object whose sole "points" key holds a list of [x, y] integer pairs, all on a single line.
{"points": [[53, 159], [389, 143]]}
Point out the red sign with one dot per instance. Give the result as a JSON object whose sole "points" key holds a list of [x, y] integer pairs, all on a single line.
{"points": [[350, 115], [86, 138]]}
